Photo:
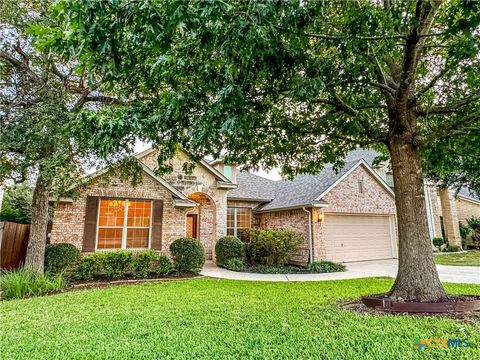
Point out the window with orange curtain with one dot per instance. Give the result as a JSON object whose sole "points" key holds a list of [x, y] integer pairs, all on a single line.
{"points": [[124, 224]]}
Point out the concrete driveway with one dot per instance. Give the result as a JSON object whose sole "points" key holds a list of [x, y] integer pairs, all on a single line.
{"points": [[355, 270]]}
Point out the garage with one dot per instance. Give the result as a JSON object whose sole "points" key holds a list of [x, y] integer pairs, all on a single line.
{"points": [[359, 237]]}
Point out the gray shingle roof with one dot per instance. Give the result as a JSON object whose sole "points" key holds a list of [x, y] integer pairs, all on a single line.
{"points": [[304, 189], [468, 194], [253, 187]]}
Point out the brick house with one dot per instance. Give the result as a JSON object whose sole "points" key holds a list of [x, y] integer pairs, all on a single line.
{"points": [[344, 216]]}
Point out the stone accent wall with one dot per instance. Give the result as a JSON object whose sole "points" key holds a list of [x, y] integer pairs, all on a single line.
{"points": [[200, 181], [69, 218], [467, 209]]}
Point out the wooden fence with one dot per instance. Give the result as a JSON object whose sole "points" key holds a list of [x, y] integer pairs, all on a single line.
{"points": [[13, 245]]}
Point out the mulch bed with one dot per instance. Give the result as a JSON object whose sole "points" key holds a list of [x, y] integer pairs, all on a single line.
{"points": [[472, 317], [107, 282]]}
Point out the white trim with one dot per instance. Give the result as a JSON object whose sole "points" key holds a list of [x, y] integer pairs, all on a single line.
{"points": [[293, 207], [353, 168], [464, 198], [428, 203]]}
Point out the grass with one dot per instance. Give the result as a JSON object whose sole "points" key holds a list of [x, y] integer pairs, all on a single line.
{"points": [[23, 283], [468, 258], [222, 319]]}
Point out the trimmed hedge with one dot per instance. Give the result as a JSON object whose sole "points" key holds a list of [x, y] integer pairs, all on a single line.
{"points": [[164, 266], [188, 255], [272, 247], [89, 266], [141, 263], [438, 241], [120, 263], [228, 248], [60, 257]]}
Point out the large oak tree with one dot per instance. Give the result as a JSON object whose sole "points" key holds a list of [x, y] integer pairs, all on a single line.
{"points": [[296, 85], [45, 138]]}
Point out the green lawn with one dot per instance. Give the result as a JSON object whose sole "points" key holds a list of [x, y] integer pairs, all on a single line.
{"points": [[221, 319], [469, 258]]}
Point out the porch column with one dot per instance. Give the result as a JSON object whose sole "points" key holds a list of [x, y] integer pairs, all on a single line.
{"points": [[450, 217]]}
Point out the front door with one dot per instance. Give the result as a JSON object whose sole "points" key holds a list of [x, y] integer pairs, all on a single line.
{"points": [[192, 226]]}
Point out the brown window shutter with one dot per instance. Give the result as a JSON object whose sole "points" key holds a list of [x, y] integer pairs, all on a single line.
{"points": [[157, 217], [90, 230]]}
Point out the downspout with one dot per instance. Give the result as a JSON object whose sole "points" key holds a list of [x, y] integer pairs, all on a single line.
{"points": [[310, 244]]}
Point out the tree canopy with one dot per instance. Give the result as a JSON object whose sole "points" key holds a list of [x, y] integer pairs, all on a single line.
{"points": [[314, 78], [296, 84]]}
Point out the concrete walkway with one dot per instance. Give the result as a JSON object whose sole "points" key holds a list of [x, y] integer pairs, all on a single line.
{"points": [[355, 270]]}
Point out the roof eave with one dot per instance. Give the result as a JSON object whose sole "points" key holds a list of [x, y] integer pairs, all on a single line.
{"points": [[295, 207], [226, 185]]}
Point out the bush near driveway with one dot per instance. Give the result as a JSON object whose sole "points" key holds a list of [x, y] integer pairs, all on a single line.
{"points": [[222, 319], [188, 255], [272, 247]]}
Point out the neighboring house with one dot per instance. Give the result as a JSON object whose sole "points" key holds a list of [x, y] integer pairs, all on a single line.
{"points": [[344, 216]]}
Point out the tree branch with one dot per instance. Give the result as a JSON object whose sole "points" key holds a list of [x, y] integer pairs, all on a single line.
{"points": [[448, 109], [432, 82], [462, 123]]}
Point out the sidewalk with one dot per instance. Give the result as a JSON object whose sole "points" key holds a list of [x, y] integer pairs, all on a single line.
{"points": [[355, 270]]}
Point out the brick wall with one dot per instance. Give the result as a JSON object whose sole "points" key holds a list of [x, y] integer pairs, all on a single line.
{"points": [[467, 209], [289, 219], [347, 198], [69, 218], [201, 185]]}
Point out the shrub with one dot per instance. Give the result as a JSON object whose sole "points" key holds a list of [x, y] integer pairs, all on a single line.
{"points": [[116, 263], [452, 248], [164, 266], [188, 255], [234, 264], [60, 257], [325, 267], [89, 266], [438, 241], [23, 283], [273, 247], [227, 248], [474, 225], [141, 263], [464, 230]]}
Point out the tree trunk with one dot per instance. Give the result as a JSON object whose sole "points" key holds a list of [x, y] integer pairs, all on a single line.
{"points": [[417, 277], [34, 260]]}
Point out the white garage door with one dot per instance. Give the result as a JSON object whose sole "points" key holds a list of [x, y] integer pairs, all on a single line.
{"points": [[359, 237]]}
